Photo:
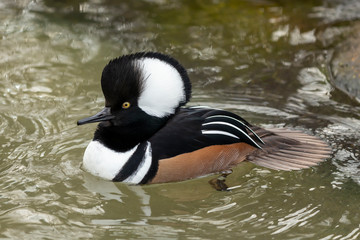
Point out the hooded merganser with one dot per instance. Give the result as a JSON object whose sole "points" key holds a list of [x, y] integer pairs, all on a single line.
{"points": [[145, 135]]}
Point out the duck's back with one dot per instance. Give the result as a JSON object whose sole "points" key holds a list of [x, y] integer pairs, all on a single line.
{"points": [[187, 148]]}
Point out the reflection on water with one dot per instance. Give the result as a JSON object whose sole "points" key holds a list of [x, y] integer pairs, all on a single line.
{"points": [[265, 60]]}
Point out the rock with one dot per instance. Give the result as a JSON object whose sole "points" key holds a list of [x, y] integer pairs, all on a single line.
{"points": [[345, 65]]}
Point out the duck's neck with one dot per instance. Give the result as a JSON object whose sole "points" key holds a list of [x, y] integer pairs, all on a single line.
{"points": [[124, 138]]}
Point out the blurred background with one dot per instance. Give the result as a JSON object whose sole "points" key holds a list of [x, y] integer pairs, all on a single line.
{"points": [[276, 63]]}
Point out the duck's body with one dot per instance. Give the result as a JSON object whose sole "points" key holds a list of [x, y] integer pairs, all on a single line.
{"points": [[146, 136]]}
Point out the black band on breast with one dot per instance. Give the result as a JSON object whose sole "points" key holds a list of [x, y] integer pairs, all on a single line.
{"points": [[152, 171], [132, 164]]}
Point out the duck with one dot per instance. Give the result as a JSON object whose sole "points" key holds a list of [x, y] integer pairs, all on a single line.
{"points": [[146, 134]]}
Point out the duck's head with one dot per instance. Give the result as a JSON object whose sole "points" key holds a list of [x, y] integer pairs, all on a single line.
{"points": [[140, 87]]}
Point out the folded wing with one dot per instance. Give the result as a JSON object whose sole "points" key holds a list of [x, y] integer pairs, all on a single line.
{"points": [[288, 149]]}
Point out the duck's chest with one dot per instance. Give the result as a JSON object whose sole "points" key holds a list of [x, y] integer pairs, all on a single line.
{"points": [[130, 166]]}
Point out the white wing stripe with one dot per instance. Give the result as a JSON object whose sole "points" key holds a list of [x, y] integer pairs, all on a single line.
{"points": [[204, 107], [219, 133]]}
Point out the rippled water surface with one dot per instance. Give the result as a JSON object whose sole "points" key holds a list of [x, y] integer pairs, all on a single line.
{"points": [[265, 60]]}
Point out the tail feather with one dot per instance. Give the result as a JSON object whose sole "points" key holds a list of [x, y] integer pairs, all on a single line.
{"points": [[288, 150]]}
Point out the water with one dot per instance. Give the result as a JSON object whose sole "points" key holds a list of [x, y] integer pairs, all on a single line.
{"points": [[265, 60]]}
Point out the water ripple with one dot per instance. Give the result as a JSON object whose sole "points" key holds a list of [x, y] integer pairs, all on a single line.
{"points": [[51, 58]]}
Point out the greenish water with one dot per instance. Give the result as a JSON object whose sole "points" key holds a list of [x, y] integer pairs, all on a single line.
{"points": [[265, 60]]}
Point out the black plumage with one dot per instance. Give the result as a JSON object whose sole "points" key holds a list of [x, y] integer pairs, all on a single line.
{"points": [[183, 133]]}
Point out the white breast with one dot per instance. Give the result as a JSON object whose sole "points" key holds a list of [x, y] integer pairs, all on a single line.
{"points": [[104, 162]]}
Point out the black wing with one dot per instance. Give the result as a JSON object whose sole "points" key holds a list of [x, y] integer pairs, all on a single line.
{"points": [[194, 128]]}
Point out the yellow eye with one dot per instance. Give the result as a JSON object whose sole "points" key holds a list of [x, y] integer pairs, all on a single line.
{"points": [[125, 105]]}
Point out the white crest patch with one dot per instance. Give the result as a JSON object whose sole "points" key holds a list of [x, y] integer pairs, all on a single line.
{"points": [[163, 88], [104, 162]]}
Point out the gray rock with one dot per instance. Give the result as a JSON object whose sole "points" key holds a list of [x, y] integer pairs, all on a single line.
{"points": [[345, 65]]}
